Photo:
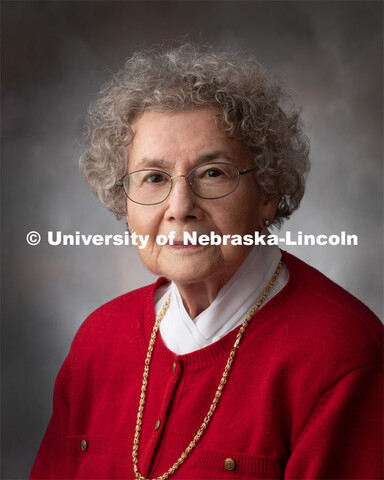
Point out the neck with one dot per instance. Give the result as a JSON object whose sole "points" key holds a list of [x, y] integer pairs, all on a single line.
{"points": [[199, 296]]}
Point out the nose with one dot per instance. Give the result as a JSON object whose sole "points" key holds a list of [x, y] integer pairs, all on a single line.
{"points": [[182, 203]]}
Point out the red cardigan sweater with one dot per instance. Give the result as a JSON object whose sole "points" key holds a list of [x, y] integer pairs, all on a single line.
{"points": [[302, 400]]}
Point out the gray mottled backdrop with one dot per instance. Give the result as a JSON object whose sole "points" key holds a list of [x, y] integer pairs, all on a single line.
{"points": [[55, 55]]}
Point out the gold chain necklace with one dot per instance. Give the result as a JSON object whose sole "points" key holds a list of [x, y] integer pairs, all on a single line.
{"points": [[212, 408]]}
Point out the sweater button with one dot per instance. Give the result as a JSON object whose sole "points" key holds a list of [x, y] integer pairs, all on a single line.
{"points": [[84, 445], [157, 424], [229, 464], [174, 365]]}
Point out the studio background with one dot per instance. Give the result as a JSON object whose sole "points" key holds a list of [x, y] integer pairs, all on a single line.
{"points": [[55, 56]]}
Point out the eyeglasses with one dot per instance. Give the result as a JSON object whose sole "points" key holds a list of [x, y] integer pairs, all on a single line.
{"points": [[208, 181]]}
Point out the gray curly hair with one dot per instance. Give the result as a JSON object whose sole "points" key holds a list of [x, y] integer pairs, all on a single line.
{"points": [[251, 103]]}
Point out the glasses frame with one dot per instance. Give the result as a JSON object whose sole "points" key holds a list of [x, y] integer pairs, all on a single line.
{"points": [[171, 178]]}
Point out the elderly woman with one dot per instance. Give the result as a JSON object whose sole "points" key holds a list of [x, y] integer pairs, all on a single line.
{"points": [[241, 361]]}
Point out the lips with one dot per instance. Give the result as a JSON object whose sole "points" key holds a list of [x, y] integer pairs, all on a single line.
{"points": [[181, 244], [183, 240], [178, 243]]}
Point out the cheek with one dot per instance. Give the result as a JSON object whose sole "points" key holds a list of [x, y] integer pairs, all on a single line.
{"points": [[252, 207], [241, 215], [142, 219]]}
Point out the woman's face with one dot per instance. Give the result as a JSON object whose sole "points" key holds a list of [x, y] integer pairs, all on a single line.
{"points": [[176, 142]]}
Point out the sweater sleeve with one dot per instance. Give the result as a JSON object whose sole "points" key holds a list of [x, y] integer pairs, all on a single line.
{"points": [[343, 437], [51, 461]]}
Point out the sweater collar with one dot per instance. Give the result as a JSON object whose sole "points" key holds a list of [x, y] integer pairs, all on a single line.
{"points": [[277, 307], [183, 335]]}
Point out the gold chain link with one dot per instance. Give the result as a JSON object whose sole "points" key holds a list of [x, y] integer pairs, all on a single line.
{"points": [[219, 391]]}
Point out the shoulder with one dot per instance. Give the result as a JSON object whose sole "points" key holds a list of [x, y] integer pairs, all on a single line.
{"points": [[329, 320], [117, 321]]}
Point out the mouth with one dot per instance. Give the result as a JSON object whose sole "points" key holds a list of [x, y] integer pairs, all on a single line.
{"points": [[184, 241], [180, 244]]}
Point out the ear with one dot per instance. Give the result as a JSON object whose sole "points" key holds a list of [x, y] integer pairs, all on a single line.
{"points": [[268, 209], [127, 220], [129, 229], [127, 214]]}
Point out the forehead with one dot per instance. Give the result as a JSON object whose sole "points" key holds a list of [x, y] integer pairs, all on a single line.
{"points": [[175, 136]]}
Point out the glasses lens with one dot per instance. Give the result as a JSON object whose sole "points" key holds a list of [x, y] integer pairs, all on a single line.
{"points": [[214, 180], [147, 187]]}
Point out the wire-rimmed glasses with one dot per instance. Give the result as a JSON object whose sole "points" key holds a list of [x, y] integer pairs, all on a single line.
{"points": [[209, 181]]}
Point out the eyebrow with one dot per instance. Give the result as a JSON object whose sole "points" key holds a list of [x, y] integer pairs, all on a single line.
{"points": [[147, 162]]}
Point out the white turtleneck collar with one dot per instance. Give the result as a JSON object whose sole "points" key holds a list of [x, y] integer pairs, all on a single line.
{"points": [[183, 335]]}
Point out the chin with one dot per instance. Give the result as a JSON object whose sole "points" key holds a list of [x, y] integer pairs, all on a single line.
{"points": [[189, 271]]}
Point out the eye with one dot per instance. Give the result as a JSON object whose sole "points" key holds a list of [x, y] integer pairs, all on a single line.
{"points": [[210, 172], [217, 172], [213, 172], [154, 177]]}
